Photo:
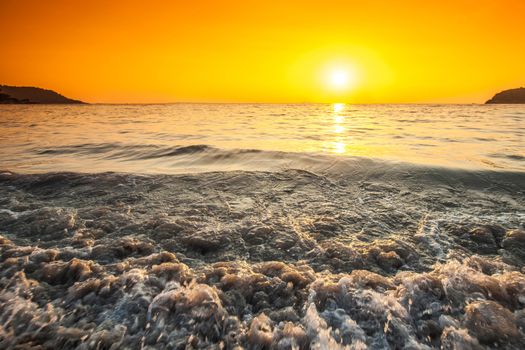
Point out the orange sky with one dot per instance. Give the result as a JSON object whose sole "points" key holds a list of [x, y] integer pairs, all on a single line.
{"points": [[264, 51]]}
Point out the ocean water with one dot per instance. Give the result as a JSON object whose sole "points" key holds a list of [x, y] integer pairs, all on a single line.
{"points": [[205, 137], [205, 226]]}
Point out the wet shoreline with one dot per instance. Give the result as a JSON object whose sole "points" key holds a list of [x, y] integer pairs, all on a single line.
{"points": [[391, 257]]}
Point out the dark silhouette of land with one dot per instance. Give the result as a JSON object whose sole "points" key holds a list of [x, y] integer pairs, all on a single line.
{"points": [[509, 96], [27, 95]]}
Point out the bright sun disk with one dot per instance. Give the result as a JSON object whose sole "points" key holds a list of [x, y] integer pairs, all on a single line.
{"points": [[339, 78]]}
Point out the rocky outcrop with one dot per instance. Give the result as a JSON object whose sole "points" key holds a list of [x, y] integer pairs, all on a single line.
{"points": [[25, 94], [509, 96]]}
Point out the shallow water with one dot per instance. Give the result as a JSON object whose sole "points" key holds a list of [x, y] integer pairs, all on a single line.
{"points": [[248, 241], [155, 138]]}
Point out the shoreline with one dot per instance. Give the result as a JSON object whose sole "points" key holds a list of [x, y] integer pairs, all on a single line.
{"points": [[262, 259]]}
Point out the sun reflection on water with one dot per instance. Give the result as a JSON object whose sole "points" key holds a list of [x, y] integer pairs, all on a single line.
{"points": [[339, 129], [338, 107], [338, 145]]}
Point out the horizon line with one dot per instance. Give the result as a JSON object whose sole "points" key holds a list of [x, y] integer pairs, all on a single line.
{"points": [[262, 103]]}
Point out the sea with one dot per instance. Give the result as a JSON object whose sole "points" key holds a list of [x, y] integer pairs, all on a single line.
{"points": [[183, 138], [262, 226]]}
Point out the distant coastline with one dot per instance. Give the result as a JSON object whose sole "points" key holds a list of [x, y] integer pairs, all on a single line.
{"points": [[32, 95], [512, 96]]}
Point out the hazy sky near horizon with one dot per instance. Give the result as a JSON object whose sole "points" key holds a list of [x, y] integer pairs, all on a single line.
{"points": [[265, 51]]}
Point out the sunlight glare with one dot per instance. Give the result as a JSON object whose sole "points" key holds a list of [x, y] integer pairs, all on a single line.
{"points": [[338, 107], [341, 78], [339, 147]]}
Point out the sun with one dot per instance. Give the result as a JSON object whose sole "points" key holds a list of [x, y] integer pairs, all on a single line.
{"points": [[341, 78]]}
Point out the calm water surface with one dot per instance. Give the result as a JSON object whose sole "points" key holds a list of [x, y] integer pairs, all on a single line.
{"points": [[155, 138]]}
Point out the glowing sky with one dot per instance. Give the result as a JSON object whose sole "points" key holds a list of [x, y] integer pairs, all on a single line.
{"points": [[265, 51]]}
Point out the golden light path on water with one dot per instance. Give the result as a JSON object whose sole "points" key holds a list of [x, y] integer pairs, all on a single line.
{"points": [[339, 143], [342, 142]]}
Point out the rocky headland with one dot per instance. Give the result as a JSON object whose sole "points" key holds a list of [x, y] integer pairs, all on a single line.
{"points": [[509, 96], [34, 95]]}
